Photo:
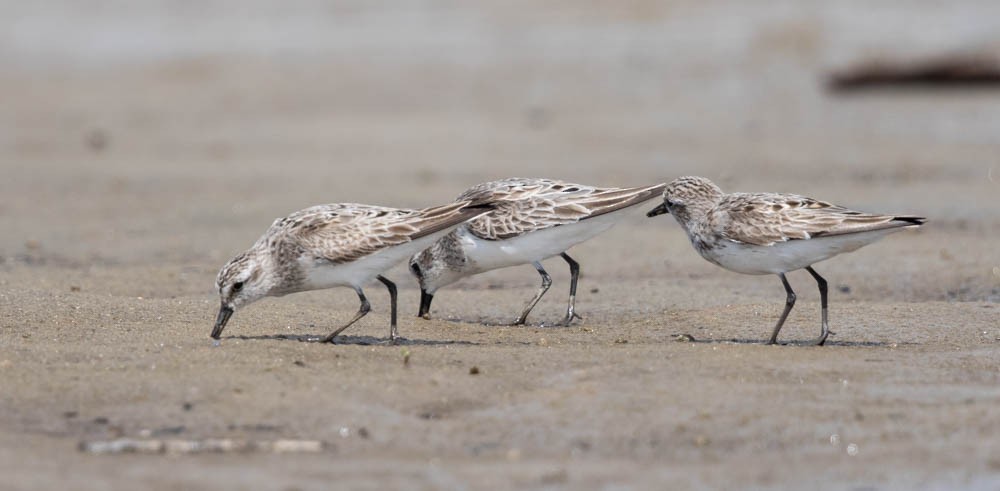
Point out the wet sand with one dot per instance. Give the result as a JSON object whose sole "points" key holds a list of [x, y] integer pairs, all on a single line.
{"points": [[126, 187]]}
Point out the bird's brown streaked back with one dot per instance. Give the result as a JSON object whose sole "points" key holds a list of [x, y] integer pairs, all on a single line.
{"points": [[527, 205], [346, 232], [782, 217]]}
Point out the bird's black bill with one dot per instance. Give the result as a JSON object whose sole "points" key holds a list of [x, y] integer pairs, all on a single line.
{"points": [[221, 320], [659, 210], [425, 304]]}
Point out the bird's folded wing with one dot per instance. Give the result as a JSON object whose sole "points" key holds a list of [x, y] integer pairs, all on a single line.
{"points": [[766, 219], [346, 232], [528, 205]]}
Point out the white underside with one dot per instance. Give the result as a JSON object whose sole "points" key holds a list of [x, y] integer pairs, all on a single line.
{"points": [[486, 255], [322, 274], [789, 256]]}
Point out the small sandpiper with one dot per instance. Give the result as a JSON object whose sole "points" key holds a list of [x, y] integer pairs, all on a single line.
{"points": [[334, 245], [770, 233], [532, 220]]}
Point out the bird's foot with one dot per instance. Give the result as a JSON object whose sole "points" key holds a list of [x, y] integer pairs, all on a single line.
{"points": [[569, 319], [820, 341]]}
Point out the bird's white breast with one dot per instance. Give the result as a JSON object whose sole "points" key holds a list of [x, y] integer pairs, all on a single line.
{"points": [[486, 255], [320, 274], [783, 257]]}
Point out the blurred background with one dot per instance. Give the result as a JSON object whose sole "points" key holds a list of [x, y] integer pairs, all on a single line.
{"points": [[144, 143], [173, 132]]}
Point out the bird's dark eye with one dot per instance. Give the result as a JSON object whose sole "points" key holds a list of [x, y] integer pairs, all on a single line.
{"points": [[237, 286], [415, 269]]}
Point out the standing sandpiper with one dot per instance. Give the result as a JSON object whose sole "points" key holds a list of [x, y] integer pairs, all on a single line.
{"points": [[532, 220], [770, 233], [333, 245]]}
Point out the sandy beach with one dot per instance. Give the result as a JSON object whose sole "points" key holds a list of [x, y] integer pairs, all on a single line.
{"points": [[132, 172]]}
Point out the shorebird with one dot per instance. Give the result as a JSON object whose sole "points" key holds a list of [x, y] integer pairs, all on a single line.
{"points": [[333, 245], [532, 220], [770, 233]]}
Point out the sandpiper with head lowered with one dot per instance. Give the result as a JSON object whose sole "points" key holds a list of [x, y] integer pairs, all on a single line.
{"points": [[532, 220], [333, 245], [770, 233]]}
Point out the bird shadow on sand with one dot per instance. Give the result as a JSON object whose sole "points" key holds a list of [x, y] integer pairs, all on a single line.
{"points": [[354, 340], [797, 343], [494, 322]]}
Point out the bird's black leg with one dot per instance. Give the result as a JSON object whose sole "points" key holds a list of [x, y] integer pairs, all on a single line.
{"points": [[574, 271], [789, 303], [393, 334], [365, 308], [823, 303], [546, 283]]}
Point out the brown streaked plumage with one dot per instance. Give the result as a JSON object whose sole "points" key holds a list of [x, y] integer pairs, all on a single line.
{"points": [[770, 233], [532, 220], [343, 244], [524, 205]]}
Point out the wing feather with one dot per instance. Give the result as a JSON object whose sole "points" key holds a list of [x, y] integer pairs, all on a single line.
{"points": [[766, 219], [526, 205], [346, 232]]}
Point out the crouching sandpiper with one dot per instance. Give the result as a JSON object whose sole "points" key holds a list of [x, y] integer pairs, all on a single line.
{"points": [[532, 220], [770, 233], [333, 245]]}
